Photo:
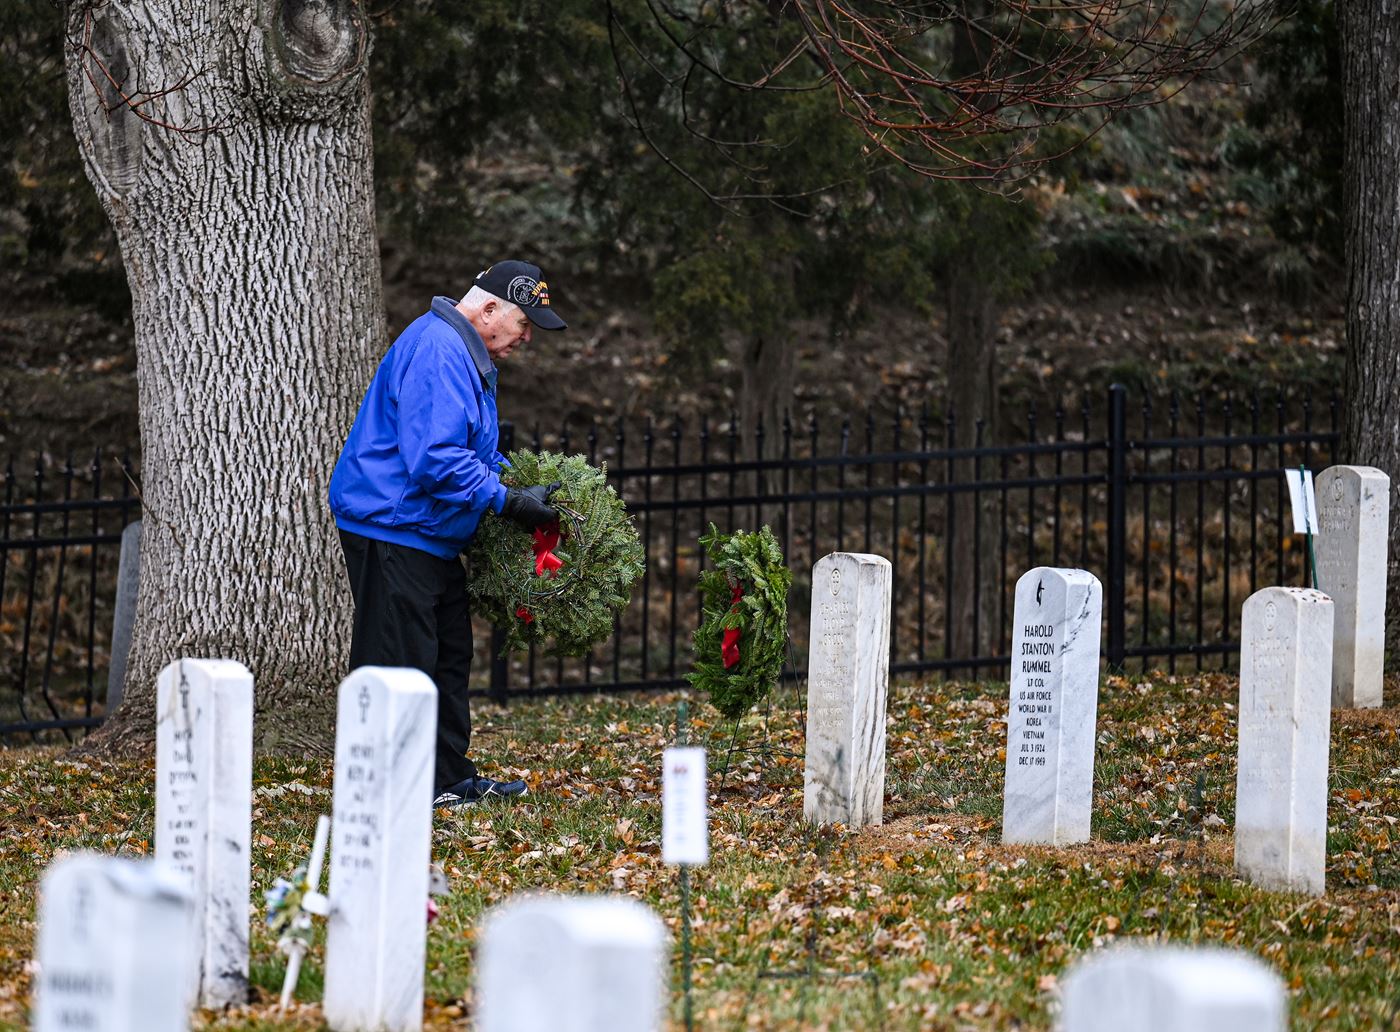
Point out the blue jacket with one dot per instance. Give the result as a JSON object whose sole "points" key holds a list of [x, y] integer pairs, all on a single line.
{"points": [[420, 465]]}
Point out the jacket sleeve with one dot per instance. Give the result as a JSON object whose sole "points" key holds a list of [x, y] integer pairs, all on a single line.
{"points": [[438, 416]]}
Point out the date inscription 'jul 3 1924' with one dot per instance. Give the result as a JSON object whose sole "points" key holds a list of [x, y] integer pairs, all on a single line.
{"points": [[1035, 700]]}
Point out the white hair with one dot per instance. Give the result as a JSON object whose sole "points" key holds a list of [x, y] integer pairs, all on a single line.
{"points": [[476, 299]]}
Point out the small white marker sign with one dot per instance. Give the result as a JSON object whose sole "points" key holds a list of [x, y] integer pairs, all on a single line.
{"points": [[1304, 501], [685, 837]]}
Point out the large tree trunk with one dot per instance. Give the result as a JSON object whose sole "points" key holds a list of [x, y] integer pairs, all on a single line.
{"points": [[1371, 77], [250, 249]]}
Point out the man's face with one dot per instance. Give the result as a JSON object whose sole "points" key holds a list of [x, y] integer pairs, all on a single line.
{"points": [[503, 328]]}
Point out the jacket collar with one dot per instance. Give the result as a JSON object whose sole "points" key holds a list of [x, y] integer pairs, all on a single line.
{"points": [[446, 309]]}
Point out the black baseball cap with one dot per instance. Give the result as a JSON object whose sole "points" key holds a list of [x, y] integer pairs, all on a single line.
{"points": [[521, 284]]}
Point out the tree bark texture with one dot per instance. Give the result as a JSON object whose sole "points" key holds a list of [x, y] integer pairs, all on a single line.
{"points": [[768, 365], [973, 301], [249, 244], [972, 402], [1370, 31], [768, 370]]}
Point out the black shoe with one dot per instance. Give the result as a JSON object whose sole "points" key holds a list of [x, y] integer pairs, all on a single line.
{"points": [[473, 790]]}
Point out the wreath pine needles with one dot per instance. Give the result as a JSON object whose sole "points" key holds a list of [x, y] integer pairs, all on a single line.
{"points": [[568, 610], [741, 642]]}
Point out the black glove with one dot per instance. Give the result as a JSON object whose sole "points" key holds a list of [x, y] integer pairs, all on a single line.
{"points": [[529, 506]]}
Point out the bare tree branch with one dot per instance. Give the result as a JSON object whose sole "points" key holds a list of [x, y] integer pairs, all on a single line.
{"points": [[726, 201], [104, 82], [1044, 64]]}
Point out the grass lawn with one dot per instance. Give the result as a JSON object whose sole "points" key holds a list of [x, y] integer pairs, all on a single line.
{"points": [[924, 923]]}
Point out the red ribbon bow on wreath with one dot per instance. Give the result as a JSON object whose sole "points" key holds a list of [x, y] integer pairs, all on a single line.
{"points": [[729, 650], [546, 540]]}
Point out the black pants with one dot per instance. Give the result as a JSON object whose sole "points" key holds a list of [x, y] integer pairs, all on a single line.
{"points": [[411, 611]]}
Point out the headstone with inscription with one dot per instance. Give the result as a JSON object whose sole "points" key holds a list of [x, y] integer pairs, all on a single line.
{"points": [[571, 964], [115, 947], [848, 673], [1285, 718], [204, 812], [1054, 707], [1172, 989], [1353, 505], [381, 837]]}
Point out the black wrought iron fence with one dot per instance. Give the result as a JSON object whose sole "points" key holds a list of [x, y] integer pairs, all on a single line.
{"points": [[60, 537], [1179, 509]]}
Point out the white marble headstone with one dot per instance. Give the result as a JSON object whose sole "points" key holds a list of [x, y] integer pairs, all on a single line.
{"points": [[1285, 718], [848, 674], [1172, 989], [204, 812], [381, 839], [115, 947], [124, 612], [1054, 707], [1353, 504], [571, 964]]}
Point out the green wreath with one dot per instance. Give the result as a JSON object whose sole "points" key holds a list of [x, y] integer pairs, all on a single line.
{"points": [[741, 643], [557, 588]]}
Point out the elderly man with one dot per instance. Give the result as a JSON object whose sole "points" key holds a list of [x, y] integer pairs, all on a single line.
{"points": [[417, 473]]}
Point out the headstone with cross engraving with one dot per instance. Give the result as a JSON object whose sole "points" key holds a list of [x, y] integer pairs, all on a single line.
{"points": [[571, 964], [1172, 989], [381, 835], [1285, 717], [1353, 509], [204, 793], [1054, 705], [115, 947], [848, 673]]}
